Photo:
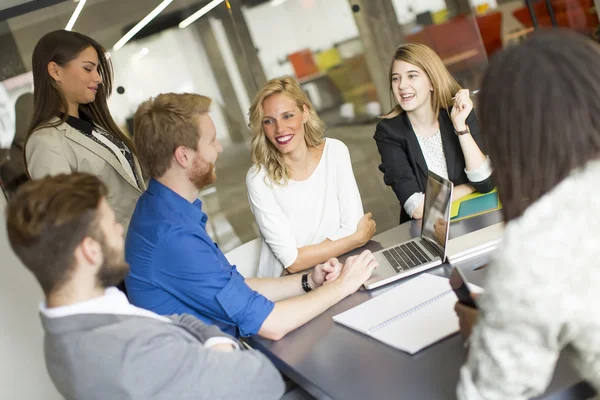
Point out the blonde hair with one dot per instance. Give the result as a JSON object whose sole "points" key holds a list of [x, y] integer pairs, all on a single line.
{"points": [[164, 123], [263, 152], [444, 85]]}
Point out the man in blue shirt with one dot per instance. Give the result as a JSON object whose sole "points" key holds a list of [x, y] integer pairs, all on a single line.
{"points": [[177, 268]]}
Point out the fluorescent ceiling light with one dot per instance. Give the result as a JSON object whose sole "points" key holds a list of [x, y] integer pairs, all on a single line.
{"points": [[141, 24], [199, 13], [75, 15], [275, 3], [141, 54]]}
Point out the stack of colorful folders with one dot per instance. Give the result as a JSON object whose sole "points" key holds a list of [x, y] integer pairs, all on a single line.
{"points": [[474, 204]]}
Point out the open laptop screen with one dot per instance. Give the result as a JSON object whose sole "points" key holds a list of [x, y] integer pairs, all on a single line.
{"points": [[436, 211]]}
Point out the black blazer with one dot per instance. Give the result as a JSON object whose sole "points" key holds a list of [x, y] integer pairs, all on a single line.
{"points": [[403, 164]]}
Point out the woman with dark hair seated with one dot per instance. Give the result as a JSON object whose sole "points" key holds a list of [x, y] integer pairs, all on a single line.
{"points": [[539, 115], [72, 129]]}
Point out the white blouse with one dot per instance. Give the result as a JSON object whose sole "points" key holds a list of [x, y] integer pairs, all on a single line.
{"points": [[433, 151], [542, 296], [327, 205], [435, 158]]}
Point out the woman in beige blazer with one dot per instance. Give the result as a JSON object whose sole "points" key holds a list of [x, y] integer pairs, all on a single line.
{"points": [[72, 129]]}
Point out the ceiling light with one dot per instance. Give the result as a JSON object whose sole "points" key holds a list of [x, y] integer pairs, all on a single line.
{"points": [[141, 54], [199, 13], [75, 15], [141, 24]]}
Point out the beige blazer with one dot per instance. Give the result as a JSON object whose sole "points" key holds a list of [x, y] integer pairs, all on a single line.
{"points": [[63, 149]]}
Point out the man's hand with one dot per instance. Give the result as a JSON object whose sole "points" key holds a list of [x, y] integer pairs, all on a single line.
{"points": [[356, 272], [326, 272]]}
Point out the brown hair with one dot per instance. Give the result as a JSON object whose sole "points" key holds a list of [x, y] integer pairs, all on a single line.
{"points": [[264, 153], [61, 47], [48, 218], [540, 115], [164, 123], [444, 85]]}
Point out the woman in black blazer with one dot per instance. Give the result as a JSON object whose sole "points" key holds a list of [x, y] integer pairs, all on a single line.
{"points": [[433, 126]]}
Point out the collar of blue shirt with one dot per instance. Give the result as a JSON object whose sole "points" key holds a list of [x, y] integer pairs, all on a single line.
{"points": [[192, 211]]}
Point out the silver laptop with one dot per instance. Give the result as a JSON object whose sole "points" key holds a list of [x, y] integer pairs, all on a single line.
{"points": [[421, 253]]}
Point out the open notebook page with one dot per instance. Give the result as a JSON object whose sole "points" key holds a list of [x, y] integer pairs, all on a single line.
{"points": [[409, 317]]}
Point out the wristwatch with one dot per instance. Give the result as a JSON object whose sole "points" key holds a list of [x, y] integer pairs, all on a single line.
{"points": [[460, 133], [305, 284]]}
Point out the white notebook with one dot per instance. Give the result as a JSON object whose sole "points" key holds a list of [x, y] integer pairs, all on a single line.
{"points": [[409, 317]]}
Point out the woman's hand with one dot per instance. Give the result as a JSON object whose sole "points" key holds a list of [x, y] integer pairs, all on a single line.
{"points": [[365, 230], [467, 316], [463, 105], [418, 213], [326, 272]]}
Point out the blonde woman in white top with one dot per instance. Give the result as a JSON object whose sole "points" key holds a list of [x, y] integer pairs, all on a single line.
{"points": [[542, 125], [301, 188]]}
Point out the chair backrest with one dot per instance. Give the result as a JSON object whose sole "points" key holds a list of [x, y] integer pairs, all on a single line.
{"points": [[490, 27], [569, 13], [451, 39], [246, 258], [419, 37]]}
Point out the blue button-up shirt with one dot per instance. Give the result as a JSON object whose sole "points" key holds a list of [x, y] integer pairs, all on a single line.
{"points": [[176, 268]]}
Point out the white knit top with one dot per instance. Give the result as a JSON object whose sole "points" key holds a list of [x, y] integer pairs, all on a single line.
{"points": [[542, 296], [327, 205]]}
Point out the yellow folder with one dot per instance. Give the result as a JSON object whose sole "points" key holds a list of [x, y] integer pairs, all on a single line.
{"points": [[474, 204]]}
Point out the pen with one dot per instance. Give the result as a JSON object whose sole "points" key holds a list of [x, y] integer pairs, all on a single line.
{"points": [[471, 93]]}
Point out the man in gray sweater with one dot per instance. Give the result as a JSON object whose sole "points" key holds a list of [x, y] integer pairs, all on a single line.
{"points": [[99, 346]]}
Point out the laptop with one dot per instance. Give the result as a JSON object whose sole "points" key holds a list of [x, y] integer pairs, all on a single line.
{"points": [[428, 250]]}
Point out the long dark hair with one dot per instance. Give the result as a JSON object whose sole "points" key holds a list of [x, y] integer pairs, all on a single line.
{"points": [[540, 114], [61, 47]]}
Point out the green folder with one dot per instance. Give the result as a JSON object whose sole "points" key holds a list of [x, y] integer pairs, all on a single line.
{"points": [[475, 204]]}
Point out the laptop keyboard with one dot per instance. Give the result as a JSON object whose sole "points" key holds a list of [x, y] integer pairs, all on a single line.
{"points": [[408, 255]]}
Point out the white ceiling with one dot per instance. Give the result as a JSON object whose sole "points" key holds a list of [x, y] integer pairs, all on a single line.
{"points": [[113, 12], [103, 20]]}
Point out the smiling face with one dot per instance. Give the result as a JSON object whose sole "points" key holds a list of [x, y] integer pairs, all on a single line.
{"points": [[78, 79], [283, 122], [411, 86]]}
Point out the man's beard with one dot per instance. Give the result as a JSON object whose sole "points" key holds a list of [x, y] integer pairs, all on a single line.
{"points": [[202, 173], [114, 269]]}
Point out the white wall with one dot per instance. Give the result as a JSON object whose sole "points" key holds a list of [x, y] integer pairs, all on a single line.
{"points": [[295, 25], [23, 374], [418, 6], [175, 62]]}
